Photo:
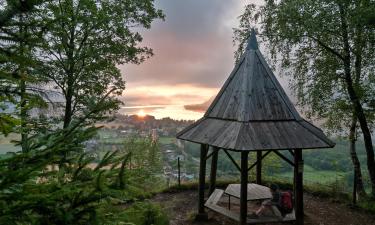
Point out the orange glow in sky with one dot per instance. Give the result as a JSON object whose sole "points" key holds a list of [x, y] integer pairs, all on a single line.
{"points": [[167, 101], [141, 113]]}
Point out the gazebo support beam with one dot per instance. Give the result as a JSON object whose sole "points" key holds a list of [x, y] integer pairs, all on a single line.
{"points": [[263, 156], [298, 177], [284, 158], [259, 168], [291, 153], [231, 159], [215, 155], [209, 155], [202, 215], [243, 190]]}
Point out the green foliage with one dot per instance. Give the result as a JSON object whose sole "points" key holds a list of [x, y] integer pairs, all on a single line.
{"points": [[79, 191], [327, 49], [16, 64], [368, 205], [146, 214], [76, 45], [305, 37], [145, 164], [84, 42]]}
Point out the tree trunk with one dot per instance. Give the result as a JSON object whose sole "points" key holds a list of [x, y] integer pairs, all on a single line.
{"points": [[70, 77], [243, 189], [356, 164], [23, 114], [68, 108], [358, 109], [23, 99]]}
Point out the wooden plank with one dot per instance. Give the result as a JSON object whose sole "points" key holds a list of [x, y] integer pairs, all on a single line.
{"points": [[284, 158], [231, 214], [212, 201], [298, 161], [243, 189], [278, 86], [270, 135], [259, 167], [233, 161], [214, 197], [254, 191], [227, 82], [209, 155], [202, 175], [215, 156], [251, 95], [261, 220], [263, 156]]}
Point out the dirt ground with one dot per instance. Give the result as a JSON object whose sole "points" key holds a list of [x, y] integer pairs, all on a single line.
{"points": [[181, 208]]}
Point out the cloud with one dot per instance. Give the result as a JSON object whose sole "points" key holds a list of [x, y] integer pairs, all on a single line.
{"points": [[135, 99], [193, 58], [202, 107], [192, 46], [146, 95]]}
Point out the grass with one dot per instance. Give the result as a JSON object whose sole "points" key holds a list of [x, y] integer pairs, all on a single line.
{"points": [[312, 175], [166, 140]]}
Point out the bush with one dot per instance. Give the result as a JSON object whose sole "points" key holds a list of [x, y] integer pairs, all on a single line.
{"points": [[144, 213]]}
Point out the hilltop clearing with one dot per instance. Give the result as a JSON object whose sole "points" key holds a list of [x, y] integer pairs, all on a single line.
{"points": [[181, 207]]}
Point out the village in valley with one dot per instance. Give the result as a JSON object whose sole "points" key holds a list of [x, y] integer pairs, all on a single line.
{"points": [[160, 131]]}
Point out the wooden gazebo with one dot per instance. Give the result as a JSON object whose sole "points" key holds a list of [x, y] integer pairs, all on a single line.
{"points": [[253, 113]]}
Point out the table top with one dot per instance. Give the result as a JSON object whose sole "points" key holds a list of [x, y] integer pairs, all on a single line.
{"points": [[254, 191]]}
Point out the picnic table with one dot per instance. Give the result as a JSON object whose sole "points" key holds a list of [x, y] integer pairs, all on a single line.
{"points": [[254, 192]]}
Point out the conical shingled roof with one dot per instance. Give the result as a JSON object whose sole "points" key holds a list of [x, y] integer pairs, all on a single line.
{"points": [[252, 112]]}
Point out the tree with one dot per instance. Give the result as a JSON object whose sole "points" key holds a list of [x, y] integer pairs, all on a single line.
{"points": [[84, 42], [15, 7], [31, 192], [18, 93], [327, 48]]}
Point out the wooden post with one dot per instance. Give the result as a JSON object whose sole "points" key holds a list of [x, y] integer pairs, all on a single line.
{"points": [[243, 190], [202, 215], [259, 168], [179, 171], [215, 155], [298, 161]]}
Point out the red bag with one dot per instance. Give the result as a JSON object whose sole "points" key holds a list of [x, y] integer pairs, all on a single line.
{"points": [[286, 202]]}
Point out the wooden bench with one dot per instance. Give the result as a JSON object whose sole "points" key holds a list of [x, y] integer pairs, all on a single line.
{"points": [[212, 201], [289, 218]]}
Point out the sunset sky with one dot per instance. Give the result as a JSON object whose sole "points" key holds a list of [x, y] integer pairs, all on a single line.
{"points": [[193, 57]]}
